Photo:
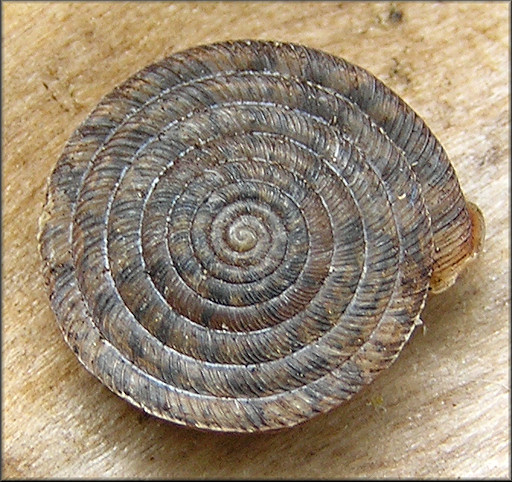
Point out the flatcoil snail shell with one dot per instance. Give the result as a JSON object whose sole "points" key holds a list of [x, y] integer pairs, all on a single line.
{"points": [[243, 235]]}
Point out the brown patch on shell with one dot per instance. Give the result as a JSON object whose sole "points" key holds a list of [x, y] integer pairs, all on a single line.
{"points": [[242, 235], [443, 278]]}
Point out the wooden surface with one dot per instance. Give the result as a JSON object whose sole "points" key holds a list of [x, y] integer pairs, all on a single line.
{"points": [[442, 410]]}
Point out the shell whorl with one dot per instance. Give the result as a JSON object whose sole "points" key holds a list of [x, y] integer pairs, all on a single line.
{"points": [[242, 235]]}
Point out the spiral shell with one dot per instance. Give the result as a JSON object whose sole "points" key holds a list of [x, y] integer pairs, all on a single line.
{"points": [[243, 235]]}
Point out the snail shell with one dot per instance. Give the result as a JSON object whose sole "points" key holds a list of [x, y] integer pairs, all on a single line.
{"points": [[243, 235]]}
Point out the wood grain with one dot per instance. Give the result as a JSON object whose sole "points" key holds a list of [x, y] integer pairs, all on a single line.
{"points": [[442, 410]]}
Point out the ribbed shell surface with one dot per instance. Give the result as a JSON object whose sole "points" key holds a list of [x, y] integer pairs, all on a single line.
{"points": [[242, 235]]}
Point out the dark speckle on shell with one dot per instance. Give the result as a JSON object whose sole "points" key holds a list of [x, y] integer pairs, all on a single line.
{"points": [[243, 235]]}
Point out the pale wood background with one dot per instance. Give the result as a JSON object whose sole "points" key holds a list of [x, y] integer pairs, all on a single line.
{"points": [[442, 410]]}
